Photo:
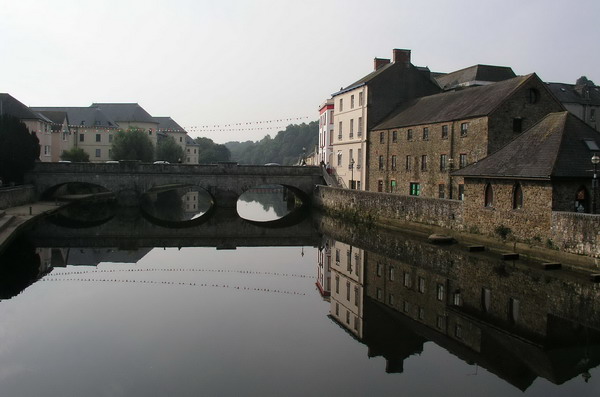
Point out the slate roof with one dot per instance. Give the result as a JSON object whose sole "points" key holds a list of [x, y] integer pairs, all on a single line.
{"points": [[190, 142], [82, 116], [125, 112], [365, 79], [474, 75], [11, 106], [168, 124], [555, 147], [56, 118], [567, 93], [454, 105]]}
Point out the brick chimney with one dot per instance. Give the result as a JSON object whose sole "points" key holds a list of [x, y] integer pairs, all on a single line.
{"points": [[379, 62], [402, 56]]}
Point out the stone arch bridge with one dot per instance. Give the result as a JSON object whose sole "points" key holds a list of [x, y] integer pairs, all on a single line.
{"points": [[130, 179]]}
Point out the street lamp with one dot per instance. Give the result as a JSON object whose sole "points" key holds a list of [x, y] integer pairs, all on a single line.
{"points": [[351, 173], [303, 156], [595, 160]]}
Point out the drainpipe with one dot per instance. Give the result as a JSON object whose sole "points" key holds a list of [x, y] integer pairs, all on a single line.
{"points": [[452, 159]]}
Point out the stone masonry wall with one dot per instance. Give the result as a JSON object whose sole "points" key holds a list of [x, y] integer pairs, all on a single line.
{"points": [[372, 205], [15, 196], [576, 233]]}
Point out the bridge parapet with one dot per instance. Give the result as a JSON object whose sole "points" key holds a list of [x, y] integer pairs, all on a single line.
{"points": [[225, 181]]}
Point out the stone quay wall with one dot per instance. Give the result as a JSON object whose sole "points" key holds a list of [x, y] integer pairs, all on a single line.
{"points": [[576, 233], [16, 195], [383, 207]]}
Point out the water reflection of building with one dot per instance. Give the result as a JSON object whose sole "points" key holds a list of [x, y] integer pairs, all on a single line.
{"points": [[347, 287], [62, 257], [324, 269], [516, 321]]}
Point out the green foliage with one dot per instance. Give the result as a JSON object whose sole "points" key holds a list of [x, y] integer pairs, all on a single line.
{"points": [[75, 154], [19, 149], [503, 231], [285, 148], [168, 150], [133, 144], [210, 152]]}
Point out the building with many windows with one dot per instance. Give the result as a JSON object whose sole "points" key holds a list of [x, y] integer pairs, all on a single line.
{"points": [[413, 151], [364, 104], [582, 99], [325, 146]]}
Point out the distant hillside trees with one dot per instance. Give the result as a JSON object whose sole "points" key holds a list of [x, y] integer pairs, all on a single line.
{"points": [[285, 148], [168, 150], [75, 154], [19, 149], [133, 144], [210, 152]]}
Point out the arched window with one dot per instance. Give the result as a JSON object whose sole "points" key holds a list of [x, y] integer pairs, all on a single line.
{"points": [[517, 201], [581, 200], [489, 195]]}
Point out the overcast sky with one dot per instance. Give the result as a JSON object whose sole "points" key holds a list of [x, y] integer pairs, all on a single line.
{"points": [[208, 63]]}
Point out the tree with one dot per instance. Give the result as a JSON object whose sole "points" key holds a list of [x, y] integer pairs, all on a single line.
{"points": [[75, 154], [168, 150], [133, 144], [210, 152], [19, 149]]}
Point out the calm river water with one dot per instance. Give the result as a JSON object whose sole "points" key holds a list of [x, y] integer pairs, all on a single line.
{"points": [[114, 304]]}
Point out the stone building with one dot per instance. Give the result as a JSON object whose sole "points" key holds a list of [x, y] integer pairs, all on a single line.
{"points": [[582, 99], [544, 170], [413, 150], [365, 103]]}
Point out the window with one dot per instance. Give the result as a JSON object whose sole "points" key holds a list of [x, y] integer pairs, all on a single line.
{"points": [[421, 313], [348, 291], [394, 162], [406, 307], [458, 331], [379, 294], [391, 273], [380, 186], [64, 135], [349, 261], [351, 101], [513, 310], [340, 130], [425, 133], [486, 298], [180, 139], [464, 128], [97, 152], [394, 136], [442, 190], [46, 150], [339, 159], [415, 189], [351, 128], [534, 95], [421, 285], [441, 321], [461, 191], [379, 269], [517, 124], [393, 186], [457, 299], [408, 163], [81, 137], [443, 162], [350, 158], [517, 201], [98, 138], [356, 264], [360, 99], [359, 159], [391, 299], [341, 104], [337, 309], [382, 137], [441, 294], [356, 296], [347, 317], [444, 132], [337, 255], [355, 323], [407, 281], [424, 162], [489, 195], [591, 144], [337, 284], [359, 127], [462, 161], [592, 114], [409, 134]]}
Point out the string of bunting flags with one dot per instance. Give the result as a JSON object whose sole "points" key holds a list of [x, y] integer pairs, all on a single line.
{"points": [[247, 126]]}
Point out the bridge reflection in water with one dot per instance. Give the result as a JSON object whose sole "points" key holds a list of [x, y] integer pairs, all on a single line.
{"points": [[395, 293]]}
